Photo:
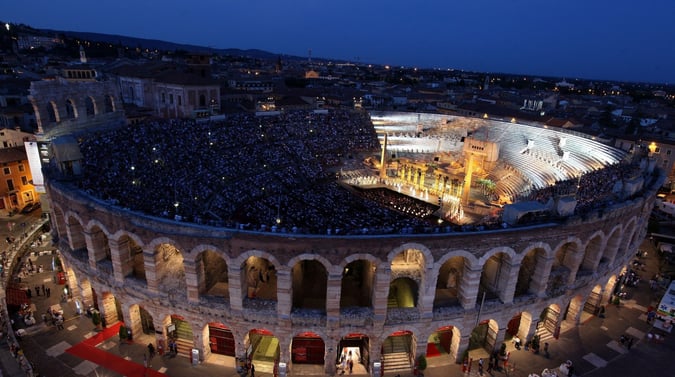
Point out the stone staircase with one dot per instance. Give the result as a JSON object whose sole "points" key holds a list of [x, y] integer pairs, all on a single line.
{"points": [[184, 342], [396, 357]]}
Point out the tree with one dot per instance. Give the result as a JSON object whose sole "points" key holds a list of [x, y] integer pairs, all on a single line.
{"points": [[124, 333], [96, 319], [421, 363]]}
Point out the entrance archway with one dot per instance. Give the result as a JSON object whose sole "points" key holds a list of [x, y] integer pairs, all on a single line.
{"points": [[483, 339], [397, 352], [308, 348], [262, 350], [221, 340], [359, 346], [443, 343]]}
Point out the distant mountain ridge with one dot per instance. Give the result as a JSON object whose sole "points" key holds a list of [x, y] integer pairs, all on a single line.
{"points": [[164, 45]]}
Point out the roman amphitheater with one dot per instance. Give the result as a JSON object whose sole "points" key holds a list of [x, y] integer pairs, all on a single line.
{"points": [[295, 279]]}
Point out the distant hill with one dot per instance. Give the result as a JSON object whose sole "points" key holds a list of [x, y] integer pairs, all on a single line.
{"points": [[164, 45]]}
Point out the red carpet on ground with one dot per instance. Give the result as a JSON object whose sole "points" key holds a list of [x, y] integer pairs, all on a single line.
{"points": [[432, 350], [87, 350]]}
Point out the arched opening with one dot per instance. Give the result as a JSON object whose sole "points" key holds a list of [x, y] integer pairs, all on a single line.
{"points": [[359, 346], [309, 279], [397, 352], [170, 271], [561, 269], [71, 111], [357, 284], [52, 112], [76, 235], [142, 326], [262, 350], [494, 278], [259, 279], [221, 339], [111, 311], [402, 293], [591, 257], [613, 243], [212, 275], [102, 254], [90, 106], [109, 106], [548, 322], [483, 339], [179, 331], [526, 273], [443, 344], [519, 326], [593, 302], [447, 284], [308, 348], [133, 261]]}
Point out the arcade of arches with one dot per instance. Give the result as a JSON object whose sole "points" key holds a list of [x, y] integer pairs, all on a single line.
{"points": [[311, 310]]}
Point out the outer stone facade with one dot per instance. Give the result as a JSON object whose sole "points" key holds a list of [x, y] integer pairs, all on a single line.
{"points": [[381, 295]]}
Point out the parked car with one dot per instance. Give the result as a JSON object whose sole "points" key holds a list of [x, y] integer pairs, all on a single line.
{"points": [[30, 207]]}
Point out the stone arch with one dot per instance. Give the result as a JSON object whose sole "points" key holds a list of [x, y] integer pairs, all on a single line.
{"points": [[627, 236], [52, 110], [531, 273], [108, 104], [427, 257], [496, 273], [75, 231], [59, 222], [450, 273], [592, 254], [90, 106], [212, 272], [357, 282], [445, 340], [72, 111], [257, 271], [309, 283], [403, 293], [308, 347], [129, 250], [483, 337], [169, 270], [565, 264], [611, 247], [100, 254]]}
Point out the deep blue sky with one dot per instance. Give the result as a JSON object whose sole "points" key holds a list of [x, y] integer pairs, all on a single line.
{"points": [[597, 39]]}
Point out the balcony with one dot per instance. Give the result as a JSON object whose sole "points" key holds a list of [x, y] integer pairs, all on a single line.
{"points": [[308, 317], [356, 316]]}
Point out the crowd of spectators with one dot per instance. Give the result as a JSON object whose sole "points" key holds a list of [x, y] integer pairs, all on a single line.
{"points": [[247, 172], [270, 173]]}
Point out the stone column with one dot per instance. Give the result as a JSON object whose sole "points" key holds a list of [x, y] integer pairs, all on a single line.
{"points": [[235, 286], [427, 294], [542, 272], [150, 270], [508, 281], [191, 281], [380, 293], [198, 341], [334, 286], [468, 288], [121, 259], [85, 293], [284, 293], [96, 247]]}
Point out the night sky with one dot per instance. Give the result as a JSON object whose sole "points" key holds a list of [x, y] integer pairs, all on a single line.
{"points": [[609, 40]]}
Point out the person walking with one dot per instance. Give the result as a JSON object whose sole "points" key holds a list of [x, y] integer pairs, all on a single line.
{"points": [[480, 366], [252, 370]]}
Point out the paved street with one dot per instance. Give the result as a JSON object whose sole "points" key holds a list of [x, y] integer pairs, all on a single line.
{"points": [[592, 347]]}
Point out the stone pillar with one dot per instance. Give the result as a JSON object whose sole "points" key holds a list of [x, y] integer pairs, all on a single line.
{"points": [[468, 288], [542, 272], [132, 320], [334, 287], [508, 281], [235, 286], [150, 270], [427, 294], [191, 281], [381, 292], [96, 247], [330, 357], [121, 259], [198, 341], [285, 348], [85, 293], [284, 293]]}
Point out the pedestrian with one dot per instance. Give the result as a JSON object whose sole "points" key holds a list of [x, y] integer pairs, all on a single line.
{"points": [[546, 350], [49, 291], [351, 366], [43, 290], [491, 365], [37, 290], [252, 370], [630, 343], [480, 366], [151, 350]]}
